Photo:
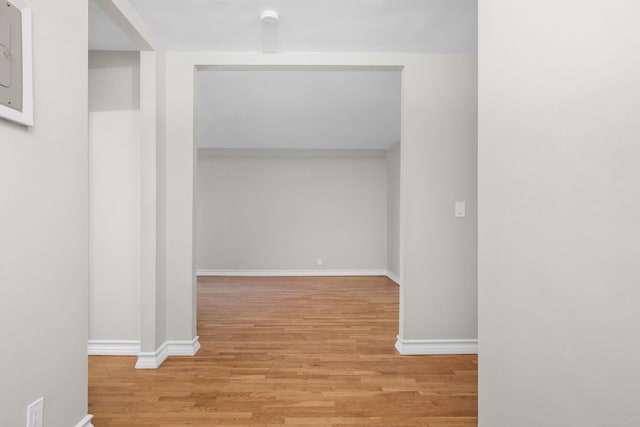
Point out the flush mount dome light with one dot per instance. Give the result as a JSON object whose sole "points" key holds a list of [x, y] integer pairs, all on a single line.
{"points": [[269, 17]]}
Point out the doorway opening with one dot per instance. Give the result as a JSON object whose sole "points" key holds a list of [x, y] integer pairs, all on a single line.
{"points": [[298, 171]]}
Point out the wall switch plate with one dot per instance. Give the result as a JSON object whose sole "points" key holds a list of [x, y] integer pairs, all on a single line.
{"points": [[460, 210], [35, 413]]}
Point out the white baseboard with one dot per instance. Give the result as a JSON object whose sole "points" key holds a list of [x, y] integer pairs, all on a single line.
{"points": [[282, 273], [153, 360], [419, 347], [184, 348], [113, 348], [393, 276], [86, 422]]}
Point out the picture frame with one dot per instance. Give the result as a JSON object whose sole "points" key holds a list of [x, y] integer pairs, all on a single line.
{"points": [[24, 114]]}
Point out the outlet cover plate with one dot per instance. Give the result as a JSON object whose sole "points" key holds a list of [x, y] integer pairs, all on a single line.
{"points": [[35, 413]]}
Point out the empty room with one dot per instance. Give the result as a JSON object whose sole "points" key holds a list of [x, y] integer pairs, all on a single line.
{"points": [[319, 212]]}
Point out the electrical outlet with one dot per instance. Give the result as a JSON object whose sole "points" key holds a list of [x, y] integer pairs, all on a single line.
{"points": [[320, 261], [35, 413]]}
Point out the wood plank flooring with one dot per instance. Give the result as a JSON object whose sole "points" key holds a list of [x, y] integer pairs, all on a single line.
{"points": [[290, 352]]}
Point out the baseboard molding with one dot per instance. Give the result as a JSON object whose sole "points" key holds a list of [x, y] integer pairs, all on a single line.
{"points": [[393, 277], [424, 347], [184, 348], [113, 348], [86, 422], [153, 360], [283, 273]]}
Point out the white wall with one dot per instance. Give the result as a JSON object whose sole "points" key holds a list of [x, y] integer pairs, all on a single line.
{"points": [[161, 214], [438, 252], [438, 261], [44, 230], [293, 109], [284, 209], [114, 140], [153, 304], [393, 210], [559, 226]]}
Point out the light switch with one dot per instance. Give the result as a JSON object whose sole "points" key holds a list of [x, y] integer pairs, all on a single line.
{"points": [[5, 51], [460, 210]]}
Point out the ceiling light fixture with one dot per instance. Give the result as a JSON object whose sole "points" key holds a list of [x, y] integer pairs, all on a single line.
{"points": [[269, 17]]}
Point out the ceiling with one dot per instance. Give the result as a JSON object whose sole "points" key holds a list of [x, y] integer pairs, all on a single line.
{"points": [[439, 26], [104, 34], [298, 109]]}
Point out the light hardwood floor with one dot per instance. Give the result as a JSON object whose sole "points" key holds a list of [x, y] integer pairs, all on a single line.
{"points": [[292, 352]]}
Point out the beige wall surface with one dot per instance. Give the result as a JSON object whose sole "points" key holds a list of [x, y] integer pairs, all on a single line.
{"points": [[114, 141], [283, 210], [439, 161], [44, 229], [559, 264]]}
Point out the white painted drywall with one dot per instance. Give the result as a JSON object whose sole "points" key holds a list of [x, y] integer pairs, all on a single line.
{"points": [[44, 229], [114, 140], [284, 209], [393, 209], [114, 81], [291, 109], [438, 252], [559, 228], [438, 262], [161, 316], [152, 308]]}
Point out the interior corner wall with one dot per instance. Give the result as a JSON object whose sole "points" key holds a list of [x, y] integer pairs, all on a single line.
{"points": [[114, 141], [44, 228], [559, 264], [285, 209], [439, 143], [393, 209]]}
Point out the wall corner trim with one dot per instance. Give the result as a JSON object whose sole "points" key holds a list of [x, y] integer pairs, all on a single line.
{"points": [[86, 422], [282, 273], [153, 359], [394, 277], [113, 347], [426, 347]]}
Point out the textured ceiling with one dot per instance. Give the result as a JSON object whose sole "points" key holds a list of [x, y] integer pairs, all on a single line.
{"points": [[298, 109], [442, 26]]}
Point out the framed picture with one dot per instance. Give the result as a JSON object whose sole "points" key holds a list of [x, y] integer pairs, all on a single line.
{"points": [[16, 62]]}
